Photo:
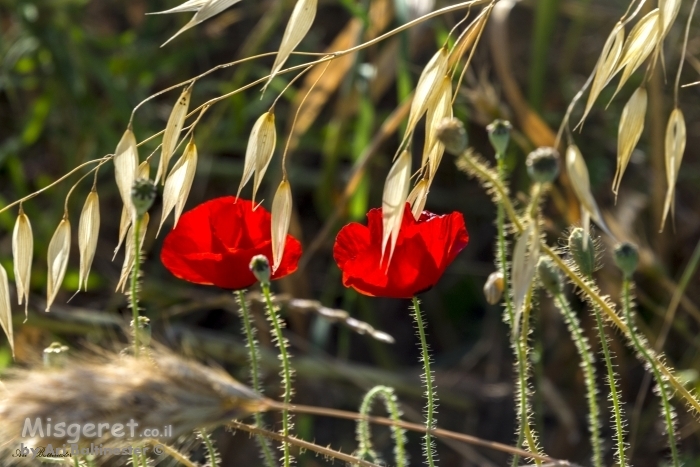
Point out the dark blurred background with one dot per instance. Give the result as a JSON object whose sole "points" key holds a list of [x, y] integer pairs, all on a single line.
{"points": [[71, 71]]}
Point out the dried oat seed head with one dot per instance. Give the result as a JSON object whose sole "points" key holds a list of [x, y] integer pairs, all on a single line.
{"points": [[299, 24], [433, 148], [130, 252], [606, 66], [418, 197], [281, 217], [178, 185], [640, 43], [258, 154], [59, 251], [22, 254], [394, 201], [88, 232], [629, 132], [6, 309], [126, 162], [427, 90], [172, 131], [578, 173], [205, 10], [673, 153]]}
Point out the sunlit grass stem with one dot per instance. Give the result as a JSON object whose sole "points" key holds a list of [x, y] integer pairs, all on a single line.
{"points": [[134, 298]]}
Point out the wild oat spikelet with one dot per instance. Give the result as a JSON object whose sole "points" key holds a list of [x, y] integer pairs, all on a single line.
{"points": [[22, 254], [155, 391], [281, 218], [172, 131]]}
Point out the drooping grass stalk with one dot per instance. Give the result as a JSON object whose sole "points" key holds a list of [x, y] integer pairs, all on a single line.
{"points": [[431, 396], [134, 296], [398, 434], [286, 372], [212, 454], [254, 360], [588, 365], [646, 354]]}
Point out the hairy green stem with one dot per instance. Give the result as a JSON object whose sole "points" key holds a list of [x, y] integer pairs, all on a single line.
{"points": [[647, 356], [254, 359], [614, 393], [588, 364], [469, 163], [134, 298], [286, 372], [398, 434], [212, 456], [430, 423]]}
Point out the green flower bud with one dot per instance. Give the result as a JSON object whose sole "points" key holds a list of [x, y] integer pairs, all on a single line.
{"points": [[260, 267], [493, 288], [543, 165], [144, 330], [451, 133], [499, 135], [55, 355], [143, 193], [626, 258], [584, 258], [550, 276]]}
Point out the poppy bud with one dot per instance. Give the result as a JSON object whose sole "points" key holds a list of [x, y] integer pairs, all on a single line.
{"points": [[499, 135], [582, 254], [143, 193], [493, 288], [626, 258], [260, 267], [451, 133], [144, 330], [543, 165], [549, 276], [55, 355]]}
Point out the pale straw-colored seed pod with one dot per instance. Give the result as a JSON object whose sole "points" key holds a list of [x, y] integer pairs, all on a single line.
{"points": [[674, 148], [629, 132], [178, 185], [605, 68], [394, 199], [6, 309], [88, 232], [526, 254], [427, 90], [580, 182], [57, 258], [418, 196], [300, 22], [641, 42], [22, 254], [172, 132], [433, 149], [126, 162], [261, 147], [281, 217], [130, 252], [493, 288], [205, 9]]}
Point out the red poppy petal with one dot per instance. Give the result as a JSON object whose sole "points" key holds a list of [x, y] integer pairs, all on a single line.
{"points": [[352, 240], [197, 268]]}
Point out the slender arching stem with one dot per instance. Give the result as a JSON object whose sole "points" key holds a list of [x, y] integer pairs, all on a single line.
{"points": [[134, 299]]}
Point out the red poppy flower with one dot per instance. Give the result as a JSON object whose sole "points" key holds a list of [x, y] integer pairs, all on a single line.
{"points": [[423, 251], [213, 244]]}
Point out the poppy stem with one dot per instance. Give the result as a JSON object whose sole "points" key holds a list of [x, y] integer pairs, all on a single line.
{"points": [[286, 372], [430, 423], [254, 359], [134, 298], [646, 354]]}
